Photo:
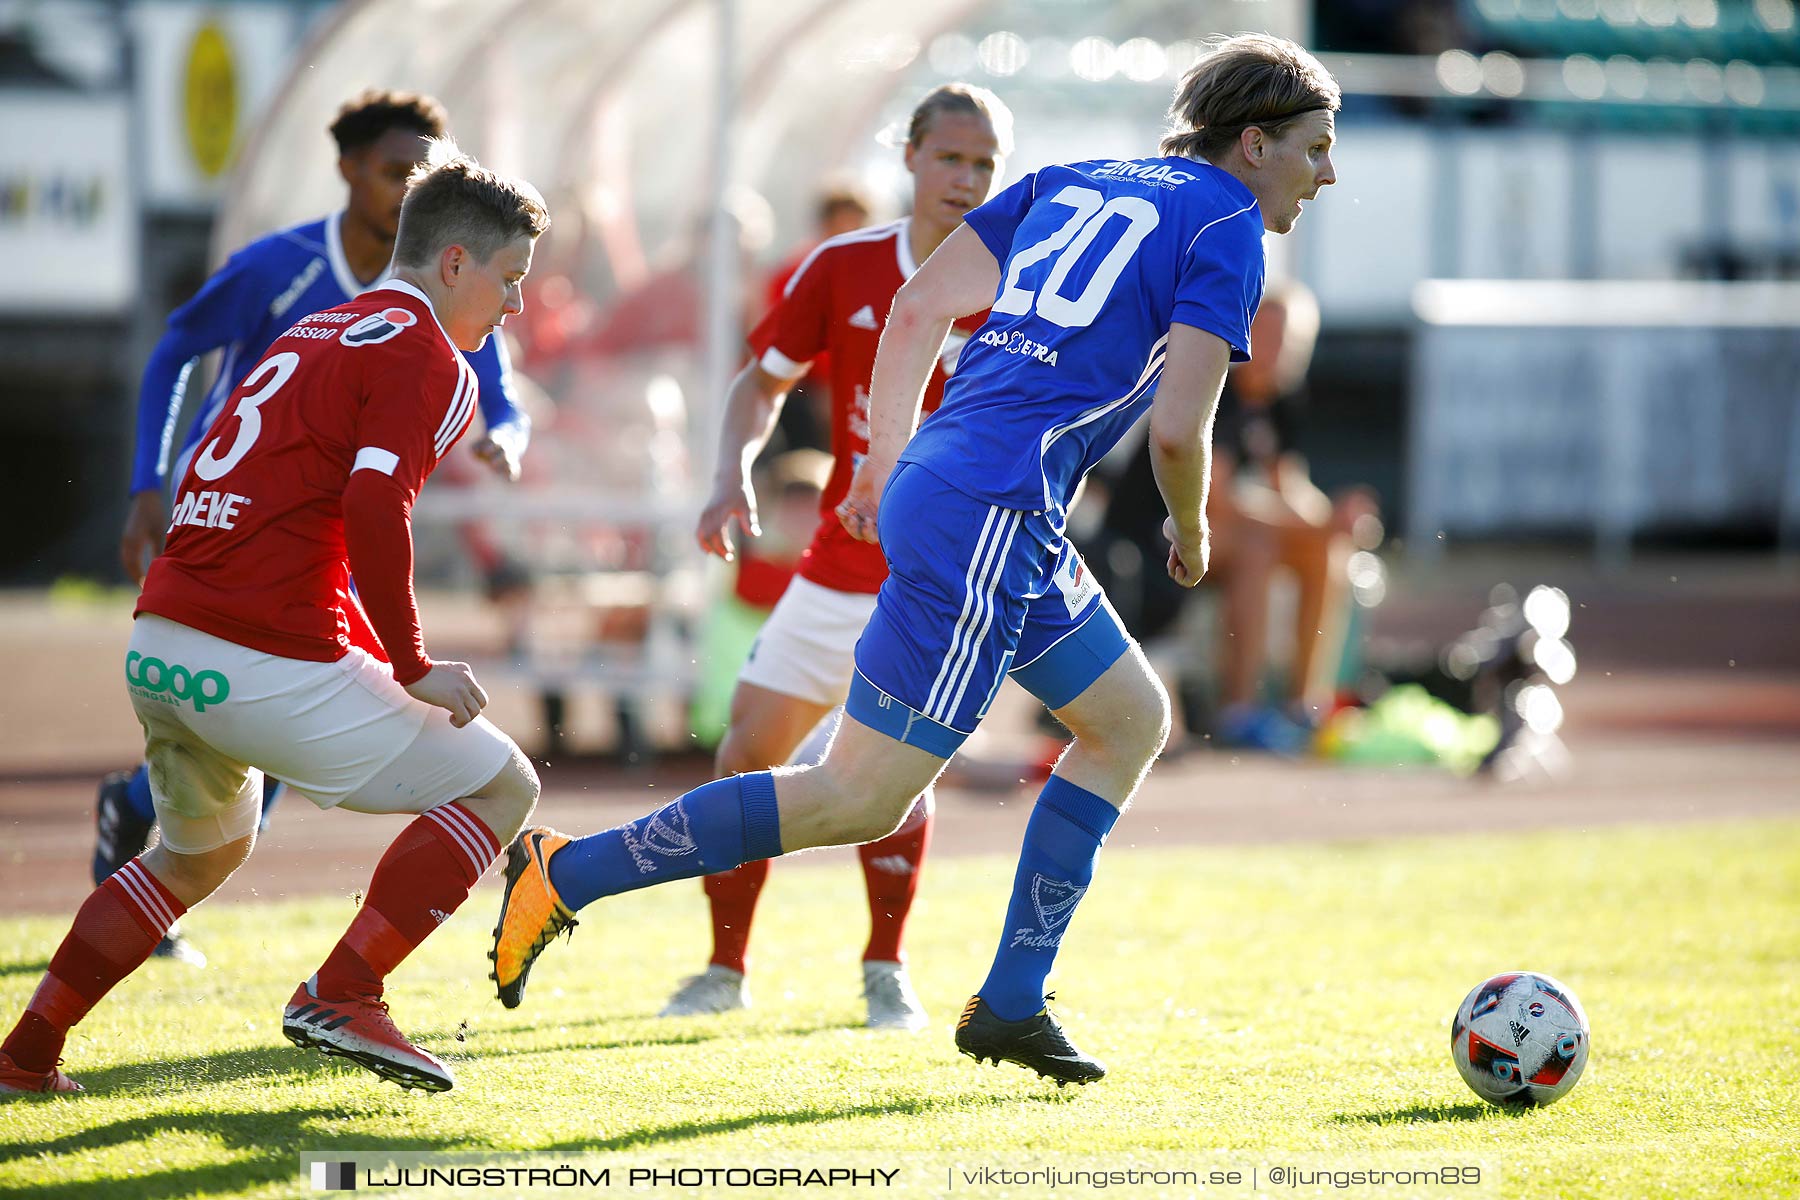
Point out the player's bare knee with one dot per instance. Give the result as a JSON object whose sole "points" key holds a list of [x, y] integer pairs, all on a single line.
{"points": [[506, 801], [193, 877], [877, 817], [1131, 728], [1164, 718]]}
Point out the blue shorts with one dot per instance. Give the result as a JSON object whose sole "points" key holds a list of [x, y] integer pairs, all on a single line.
{"points": [[974, 593]]}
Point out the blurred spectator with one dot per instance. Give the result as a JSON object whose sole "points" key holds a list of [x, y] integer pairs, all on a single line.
{"points": [[1267, 517], [668, 310], [624, 373]]}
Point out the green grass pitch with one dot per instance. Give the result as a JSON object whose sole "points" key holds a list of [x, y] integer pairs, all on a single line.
{"points": [[1255, 1006]]}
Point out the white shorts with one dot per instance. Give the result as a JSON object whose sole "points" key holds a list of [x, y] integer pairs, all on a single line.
{"points": [[806, 649], [217, 716]]}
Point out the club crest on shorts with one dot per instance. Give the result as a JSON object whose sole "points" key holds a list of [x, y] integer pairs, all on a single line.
{"points": [[1055, 901], [378, 327], [665, 833]]}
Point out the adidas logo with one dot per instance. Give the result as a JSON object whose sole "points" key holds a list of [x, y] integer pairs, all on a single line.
{"points": [[864, 318], [439, 915], [1519, 1033]]}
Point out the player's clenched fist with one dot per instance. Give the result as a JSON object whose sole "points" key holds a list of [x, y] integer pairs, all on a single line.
{"points": [[451, 686], [1188, 555]]}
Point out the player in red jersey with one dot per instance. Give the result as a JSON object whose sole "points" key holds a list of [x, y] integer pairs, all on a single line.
{"points": [[250, 654], [800, 667]]}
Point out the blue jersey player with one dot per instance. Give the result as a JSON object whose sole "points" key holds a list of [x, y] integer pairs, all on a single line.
{"points": [[259, 293], [1117, 287]]}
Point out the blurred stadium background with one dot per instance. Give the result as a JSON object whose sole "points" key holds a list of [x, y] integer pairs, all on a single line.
{"points": [[1559, 284]]}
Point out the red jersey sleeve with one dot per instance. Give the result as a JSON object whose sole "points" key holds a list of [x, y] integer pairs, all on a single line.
{"points": [[412, 414], [794, 332]]}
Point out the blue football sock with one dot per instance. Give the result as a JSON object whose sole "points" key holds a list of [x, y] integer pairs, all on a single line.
{"points": [[137, 793], [713, 828], [272, 790], [1062, 840]]}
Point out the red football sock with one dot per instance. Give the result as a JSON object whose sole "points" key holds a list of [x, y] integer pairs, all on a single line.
{"points": [[115, 930], [732, 896], [423, 878], [891, 874]]}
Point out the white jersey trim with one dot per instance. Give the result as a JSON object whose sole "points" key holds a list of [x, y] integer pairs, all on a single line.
{"points": [[781, 366], [874, 233], [347, 281], [1152, 372], [462, 404], [374, 458], [462, 401], [1240, 212], [986, 566], [903, 251]]}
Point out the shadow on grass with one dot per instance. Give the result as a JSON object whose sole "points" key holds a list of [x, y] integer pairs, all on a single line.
{"points": [[200, 1070], [655, 1032], [271, 1139], [37, 967], [1426, 1112], [662, 1135]]}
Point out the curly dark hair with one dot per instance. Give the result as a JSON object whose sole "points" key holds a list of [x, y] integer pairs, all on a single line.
{"points": [[363, 120]]}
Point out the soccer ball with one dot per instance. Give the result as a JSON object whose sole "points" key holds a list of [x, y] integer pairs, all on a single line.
{"points": [[1520, 1040]]}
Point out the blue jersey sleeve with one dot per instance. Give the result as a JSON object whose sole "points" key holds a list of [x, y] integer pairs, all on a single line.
{"points": [[1221, 281], [500, 409], [223, 311], [996, 221]]}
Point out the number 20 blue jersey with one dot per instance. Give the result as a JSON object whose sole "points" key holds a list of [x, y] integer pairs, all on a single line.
{"points": [[1097, 259]]}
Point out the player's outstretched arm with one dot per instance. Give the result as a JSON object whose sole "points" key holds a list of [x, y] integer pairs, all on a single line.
{"points": [[753, 405], [1181, 420], [960, 277]]}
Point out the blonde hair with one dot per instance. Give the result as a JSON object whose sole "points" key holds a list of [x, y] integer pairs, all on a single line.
{"points": [[452, 200], [1253, 79], [968, 99]]}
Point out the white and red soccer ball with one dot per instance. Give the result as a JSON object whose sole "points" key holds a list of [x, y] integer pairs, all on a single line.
{"points": [[1520, 1040]]}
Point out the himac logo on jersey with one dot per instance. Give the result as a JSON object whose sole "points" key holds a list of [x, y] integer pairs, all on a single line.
{"points": [[1161, 174], [378, 327], [1055, 901], [665, 832]]}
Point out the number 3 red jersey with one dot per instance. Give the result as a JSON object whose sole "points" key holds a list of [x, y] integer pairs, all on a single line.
{"points": [[316, 460]]}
